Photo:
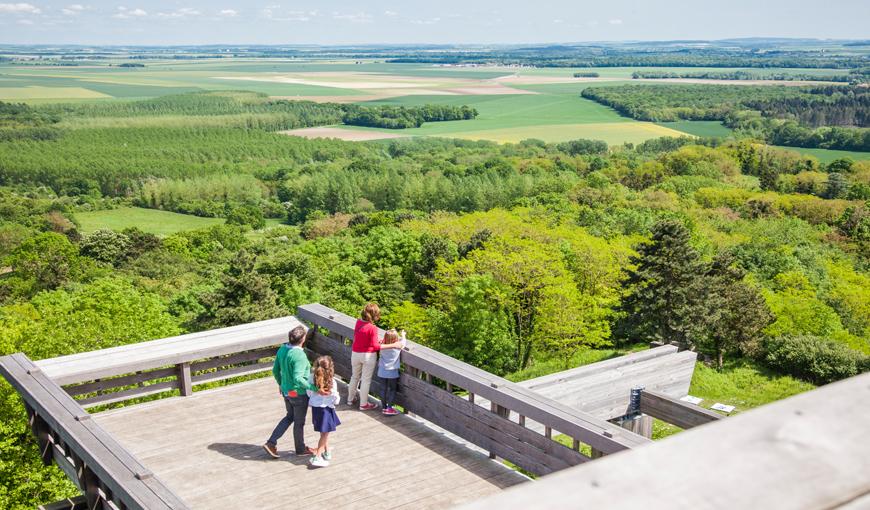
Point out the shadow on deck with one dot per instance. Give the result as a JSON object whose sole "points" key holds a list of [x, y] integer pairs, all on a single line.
{"points": [[208, 448]]}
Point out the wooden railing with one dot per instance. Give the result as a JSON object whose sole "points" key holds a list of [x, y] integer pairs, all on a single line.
{"points": [[442, 390], [517, 424], [107, 474], [176, 363], [674, 411]]}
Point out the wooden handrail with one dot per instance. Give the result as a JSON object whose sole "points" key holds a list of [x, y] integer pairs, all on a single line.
{"points": [[509, 397], [674, 411], [105, 471]]}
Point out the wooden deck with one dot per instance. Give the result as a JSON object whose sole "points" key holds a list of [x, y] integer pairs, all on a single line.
{"points": [[207, 448]]}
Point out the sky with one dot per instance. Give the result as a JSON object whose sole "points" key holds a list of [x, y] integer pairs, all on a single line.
{"points": [[343, 22]]}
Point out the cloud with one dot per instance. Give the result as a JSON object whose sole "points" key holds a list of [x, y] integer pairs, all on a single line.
{"points": [[229, 13], [74, 9], [294, 16], [20, 8], [125, 13], [354, 17], [25, 22], [429, 21], [558, 21], [615, 21], [179, 13], [391, 14]]}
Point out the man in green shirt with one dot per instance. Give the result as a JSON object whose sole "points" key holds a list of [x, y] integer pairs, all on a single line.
{"points": [[291, 371]]}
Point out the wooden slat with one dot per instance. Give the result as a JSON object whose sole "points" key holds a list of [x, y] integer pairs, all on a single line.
{"points": [[119, 471], [221, 375], [591, 430], [443, 404], [118, 382], [674, 411], [121, 396], [808, 452], [233, 359]]}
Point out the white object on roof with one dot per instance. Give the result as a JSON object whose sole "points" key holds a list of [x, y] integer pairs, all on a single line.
{"points": [[692, 400], [722, 407]]}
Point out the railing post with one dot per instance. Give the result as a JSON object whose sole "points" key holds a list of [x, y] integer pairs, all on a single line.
{"points": [[185, 382], [42, 432], [634, 420], [494, 408]]}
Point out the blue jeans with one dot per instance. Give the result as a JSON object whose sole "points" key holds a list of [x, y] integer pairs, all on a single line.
{"points": [[297, 410]]}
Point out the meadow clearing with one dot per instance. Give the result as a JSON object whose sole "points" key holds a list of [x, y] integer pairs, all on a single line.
{"points": [[149, 220]]}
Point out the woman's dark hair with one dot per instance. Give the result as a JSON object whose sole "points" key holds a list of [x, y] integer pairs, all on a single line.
{"points": [[297, 335]]}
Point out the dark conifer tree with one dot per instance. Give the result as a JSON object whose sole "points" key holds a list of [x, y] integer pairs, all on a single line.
{"points": [[663, 301]]}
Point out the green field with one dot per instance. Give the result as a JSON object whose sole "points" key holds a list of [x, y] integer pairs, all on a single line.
{"points": [[828, 155], [553, 113], [162, 77], [149, 220], [704, 128]]}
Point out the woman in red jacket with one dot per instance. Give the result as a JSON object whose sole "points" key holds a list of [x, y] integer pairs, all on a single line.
{"points": [[364, 355]]}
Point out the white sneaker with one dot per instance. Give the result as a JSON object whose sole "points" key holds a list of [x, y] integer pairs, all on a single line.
{"points": [[318, 461]]}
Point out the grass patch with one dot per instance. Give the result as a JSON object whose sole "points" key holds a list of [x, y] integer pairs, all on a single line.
{"points": [[744, 384], [703, 128], [828, 155], [149, 220]]}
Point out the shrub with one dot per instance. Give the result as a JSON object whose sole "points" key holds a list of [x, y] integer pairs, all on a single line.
{"points": [[814, 358], [249, 215], [107, 246]]}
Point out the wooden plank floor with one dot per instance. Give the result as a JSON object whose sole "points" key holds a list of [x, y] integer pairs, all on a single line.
{"points": [[207, 448]]}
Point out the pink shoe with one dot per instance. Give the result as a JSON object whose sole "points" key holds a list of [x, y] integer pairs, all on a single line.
{"points": [[390, 411], [368, 406]]}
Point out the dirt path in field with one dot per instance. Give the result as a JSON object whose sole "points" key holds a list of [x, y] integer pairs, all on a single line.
{"points": [[350, 135], [545, 80]]}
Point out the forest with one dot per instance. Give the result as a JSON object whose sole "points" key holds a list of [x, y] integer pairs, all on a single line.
{"points": [[522, 259], [745, 75], [833, 117]]}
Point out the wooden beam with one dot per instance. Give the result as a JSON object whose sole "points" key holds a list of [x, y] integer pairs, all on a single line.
{"points": [[675, 411], [807, 452]]}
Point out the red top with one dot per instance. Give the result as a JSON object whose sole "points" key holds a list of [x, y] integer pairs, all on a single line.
{"points": [[365, 337]]}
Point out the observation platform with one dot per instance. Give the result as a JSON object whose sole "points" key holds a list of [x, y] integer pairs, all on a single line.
{"points": [[208, 448], [194, 419]]}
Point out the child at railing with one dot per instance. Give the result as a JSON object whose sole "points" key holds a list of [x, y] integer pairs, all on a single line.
{"points": [[388, 369], [323, 402]]}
